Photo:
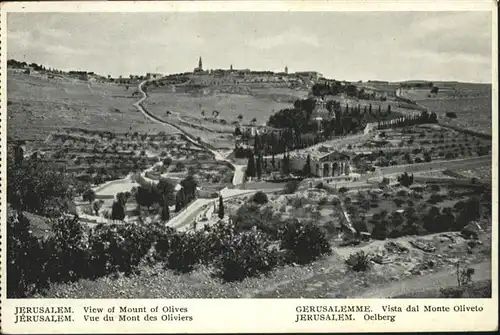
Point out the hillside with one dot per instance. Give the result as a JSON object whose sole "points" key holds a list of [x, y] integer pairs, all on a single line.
{"points": [[38, 105], [210, 106], [472, 104]]}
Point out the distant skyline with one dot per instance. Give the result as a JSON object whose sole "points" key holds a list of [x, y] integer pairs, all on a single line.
{"points": [[391, 46]]}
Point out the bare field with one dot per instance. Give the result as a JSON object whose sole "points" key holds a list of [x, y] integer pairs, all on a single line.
{"points": [[472, 113], [279, 94], [228, 105], [38, 106], [481, 172], [186, 111], [472, 103]]}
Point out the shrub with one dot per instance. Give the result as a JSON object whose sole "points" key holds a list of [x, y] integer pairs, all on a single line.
{"points": [[245, 255], [360, 225], [358, 261], [88, 195], [451, 115], [291, 187], [452, 292], [365, 204], [24, 262], [435, 198], [402, 193], [323, 201], [380, 230], [405, 179], [464, 275], [398, 202], [66, 250], [249, 216], [320, 185], [260, 198], [118, 248], [182, 255], [179, 251], [435, 188], [211, 240], [38, 187], [306, 241]]}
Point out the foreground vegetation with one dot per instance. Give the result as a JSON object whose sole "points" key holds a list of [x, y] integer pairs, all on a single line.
{"points": [[72, 252]]}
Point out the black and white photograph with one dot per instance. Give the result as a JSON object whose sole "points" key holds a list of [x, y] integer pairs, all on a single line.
{"points": [[248, 154]]}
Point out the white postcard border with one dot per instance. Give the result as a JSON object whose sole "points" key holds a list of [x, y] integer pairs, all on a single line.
{"points": [[255, 315]]}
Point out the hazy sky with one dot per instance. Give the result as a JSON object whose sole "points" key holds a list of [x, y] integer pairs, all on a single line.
{"points": [[341, 45]]}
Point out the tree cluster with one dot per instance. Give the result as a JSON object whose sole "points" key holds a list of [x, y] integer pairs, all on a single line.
{"points": [[406, 121], [405, 179], [37, 186]]}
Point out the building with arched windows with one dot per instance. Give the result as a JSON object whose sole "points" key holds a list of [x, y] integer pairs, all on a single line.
{"points": [[330, 164]]}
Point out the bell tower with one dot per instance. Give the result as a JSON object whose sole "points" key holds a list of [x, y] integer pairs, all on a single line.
{"points": [[200, 64]]}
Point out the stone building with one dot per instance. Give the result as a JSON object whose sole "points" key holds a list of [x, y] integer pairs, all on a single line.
{"points": [[331, 164], [309, 75], [153, 75]]}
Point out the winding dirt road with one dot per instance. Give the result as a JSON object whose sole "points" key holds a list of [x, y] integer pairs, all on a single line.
{"points": [[238, 169], [189, 213]]}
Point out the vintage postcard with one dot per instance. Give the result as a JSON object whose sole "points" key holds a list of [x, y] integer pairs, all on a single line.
{"points": [[249, 166]]}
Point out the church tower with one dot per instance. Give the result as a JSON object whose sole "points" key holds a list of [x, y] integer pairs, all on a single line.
{"points": [[286, 69], [200, 64]]}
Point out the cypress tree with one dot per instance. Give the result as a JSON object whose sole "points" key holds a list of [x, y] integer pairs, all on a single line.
{"points": [[165, 212], [256, 144], [285, 164], [307, 167], [258, 163], [18, 155], [251, 166], [117, 211], [221, 207]]}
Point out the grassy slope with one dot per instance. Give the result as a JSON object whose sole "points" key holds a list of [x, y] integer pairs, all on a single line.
{"points": [[39, 106], [229, 105], [189, 107], [471, 102]]}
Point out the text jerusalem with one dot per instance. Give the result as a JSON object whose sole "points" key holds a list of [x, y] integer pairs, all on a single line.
{"points": [[43, 314], [329, 313]]}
